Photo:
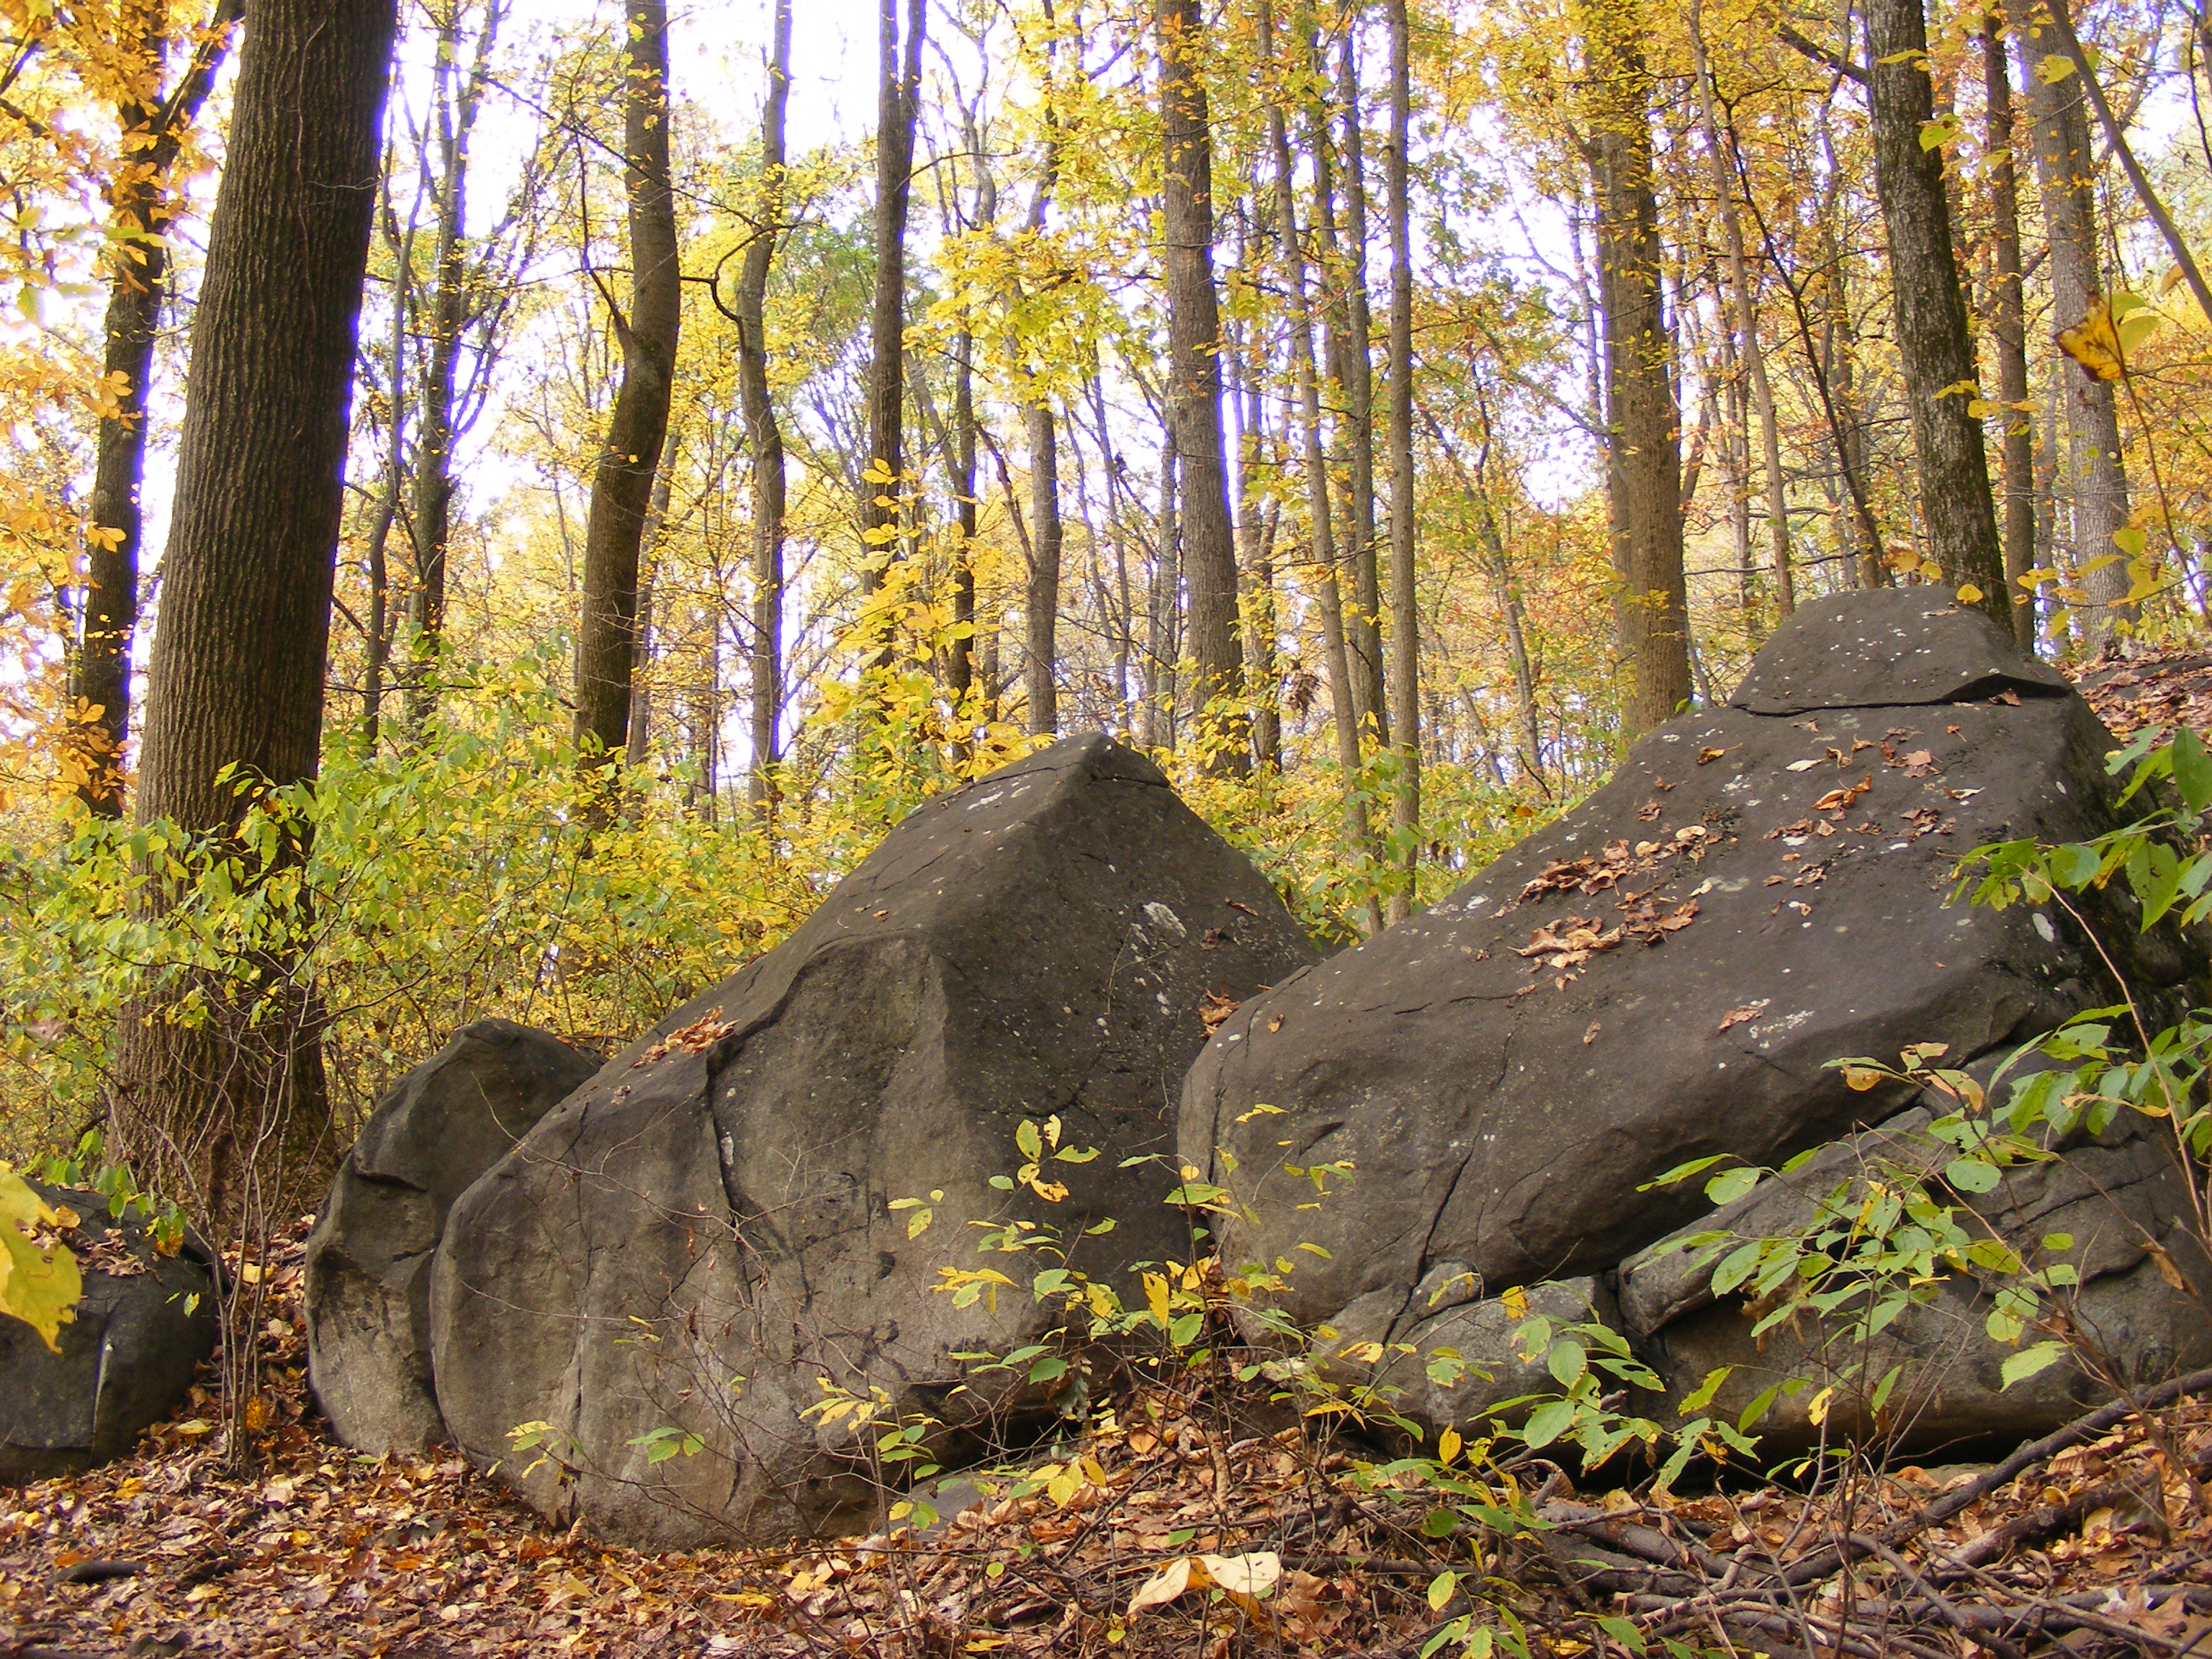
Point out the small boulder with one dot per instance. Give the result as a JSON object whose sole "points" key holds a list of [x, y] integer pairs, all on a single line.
{"points": [[1666, 971], [2111, 1198], [367, 1287], [685, 1283], [127, 1359]]}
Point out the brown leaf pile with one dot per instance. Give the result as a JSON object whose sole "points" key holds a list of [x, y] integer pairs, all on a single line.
{"points": [[298, 1548], [2159, 688]]}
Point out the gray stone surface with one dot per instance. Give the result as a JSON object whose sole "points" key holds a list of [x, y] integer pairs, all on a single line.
{"points": [[1506, 1070], [1895, 648], [2111, 1197], [436, 1130], [126, 1360], [696, 1238]]}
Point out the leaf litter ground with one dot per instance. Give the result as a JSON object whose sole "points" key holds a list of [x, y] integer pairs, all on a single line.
{"points": [[1234, 1529]]}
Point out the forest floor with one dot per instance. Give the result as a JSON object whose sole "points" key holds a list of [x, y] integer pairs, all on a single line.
{"points": [[2103, 1546], [2095, 1542]]}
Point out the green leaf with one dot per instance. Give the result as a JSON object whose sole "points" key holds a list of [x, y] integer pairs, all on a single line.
{"points": [[1547, 1423], [1973, 1175], [2192, 770], [1567, 1361], [1440, 1591], [1727, 1188], [1702, 1396], [2041, 1357], [1028, 1139]]}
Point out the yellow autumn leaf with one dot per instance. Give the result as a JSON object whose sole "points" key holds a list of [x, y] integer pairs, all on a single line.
{"points": [[1448, 1445], [40, 1287], [2095, 343], [1517, 1302]]}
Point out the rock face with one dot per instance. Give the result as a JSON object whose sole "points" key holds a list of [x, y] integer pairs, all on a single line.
{"points": [[2107, 1196], [145, 1322], [701, 1239], [368, 1261], [1664, 973]]}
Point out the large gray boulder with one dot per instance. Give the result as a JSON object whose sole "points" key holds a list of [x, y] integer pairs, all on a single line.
{"points": [[367, 1286], [2119, 1199], [1664, 973], [700, 1242], [127, 1357]]}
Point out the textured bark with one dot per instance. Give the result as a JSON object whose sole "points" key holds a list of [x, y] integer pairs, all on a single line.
{"points": [[2093, 481], [899, 80], [1644, 424], [1934, 344], [239, 655], [1255, 548], [1209, 551], [1747, 311], [376, 644], [2008, 332], [622, 486], [1041, 661], [641, 654], [1405, 666], [764, 436], [141, 207]]}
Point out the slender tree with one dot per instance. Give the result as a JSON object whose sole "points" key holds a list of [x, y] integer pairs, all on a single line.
{"points": [[2093, 479], [1405, 596], [455, 101], [881, 491], [622, 484], [141, 202], [1321, 566], [2008, 333], [236, 679], [1209, 550], [764, 436], [1933, 346]]}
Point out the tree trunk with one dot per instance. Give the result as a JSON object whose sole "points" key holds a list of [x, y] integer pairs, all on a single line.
{"points": [[1351, 329], [883, 485], [1042, 616], [2008, 329], [376, 645], [242, 645], [1254, 554], [2094, 480], [455, 112], [1645, 428], [1405, 615], [764, 436], [622, 486], [961, 665], [1746, 309], [141, 207], [1160, 651], [1209, 552], [640, 662], [1933, 346], [1323, 568]]}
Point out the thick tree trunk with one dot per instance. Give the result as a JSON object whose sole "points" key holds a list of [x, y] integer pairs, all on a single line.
{"points": [[882, 486], [1404, 613], [141, 207], [1934, 347], [239, 656], [1646, 426], [1209, 551], [622, 487], [2008, 329], [2094, 480], [764, 436]]}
